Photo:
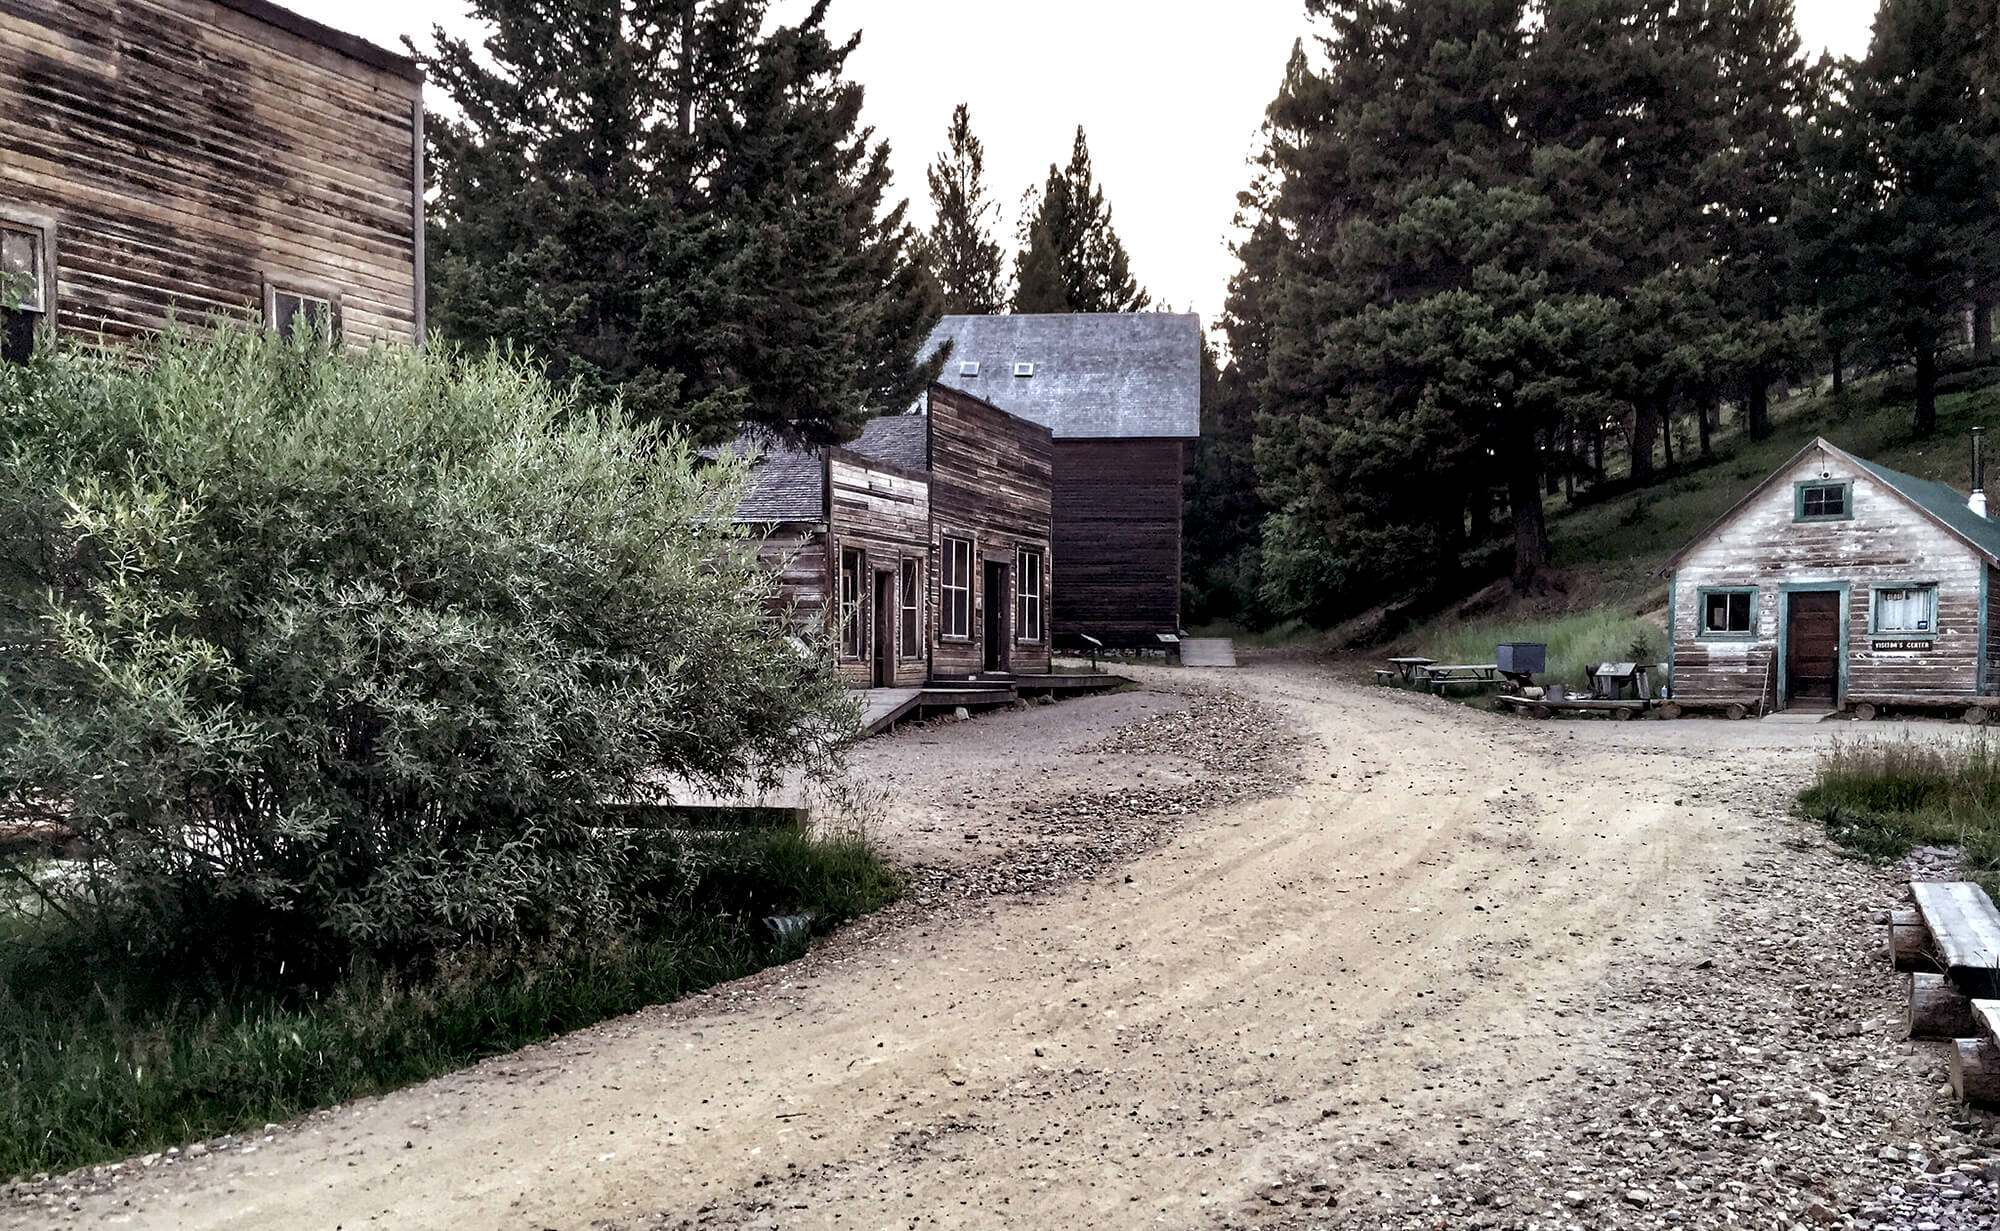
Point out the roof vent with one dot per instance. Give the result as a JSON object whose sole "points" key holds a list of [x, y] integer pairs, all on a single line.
{"points": [[968, 369], [1024, 369]]}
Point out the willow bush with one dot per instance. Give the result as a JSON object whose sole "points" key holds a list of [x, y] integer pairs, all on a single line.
{"points": [[323, 654]]}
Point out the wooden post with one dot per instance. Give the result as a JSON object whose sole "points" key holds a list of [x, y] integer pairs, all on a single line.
{"points": [[1975, 1071], [1937, 1010], [1910, 942]]}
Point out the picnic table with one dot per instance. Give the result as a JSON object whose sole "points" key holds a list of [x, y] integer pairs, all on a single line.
{"points": [[1404, 669], [1440, 676]]}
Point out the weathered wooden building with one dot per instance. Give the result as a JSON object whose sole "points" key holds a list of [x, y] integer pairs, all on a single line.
{"points": [[1121, 394], [992, 522], [1837, 582], [202, 156], [922, 547]]}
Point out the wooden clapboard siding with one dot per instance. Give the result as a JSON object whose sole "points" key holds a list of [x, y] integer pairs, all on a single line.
{"points": [[187, 150], [1887, 542], [992, 477], [884, 512], [1118, 531], [796, 553]]}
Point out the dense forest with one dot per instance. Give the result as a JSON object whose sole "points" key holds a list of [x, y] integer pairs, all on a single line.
{"points": [[1499, 251]]}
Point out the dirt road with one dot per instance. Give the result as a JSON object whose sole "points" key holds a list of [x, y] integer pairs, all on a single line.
{"points": [[1284, 1012]]}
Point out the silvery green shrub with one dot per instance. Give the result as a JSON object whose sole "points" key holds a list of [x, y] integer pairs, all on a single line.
{"points": [[342, 652]]}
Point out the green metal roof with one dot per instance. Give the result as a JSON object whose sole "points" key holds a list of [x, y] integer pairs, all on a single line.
{"points": [[1943, 503]]}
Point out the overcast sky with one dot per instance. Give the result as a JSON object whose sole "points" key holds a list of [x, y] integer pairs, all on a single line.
{"points": [[1171, 93]]}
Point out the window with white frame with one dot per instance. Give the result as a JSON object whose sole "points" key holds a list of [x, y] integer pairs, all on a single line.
{"points": [[1031, 600], [955, 588], [25, 294], [1905, 610], [911, 638], [853, 642], [291, 310]]}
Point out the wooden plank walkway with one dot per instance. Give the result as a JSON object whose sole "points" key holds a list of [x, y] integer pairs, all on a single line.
{"points": [[1208, 652], [1965, 928], [883, 706]]}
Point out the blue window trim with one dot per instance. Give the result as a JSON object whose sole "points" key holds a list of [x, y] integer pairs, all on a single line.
{"points": [[1875, 628], [1785, 592], [1701, 630], [1846, 502]]}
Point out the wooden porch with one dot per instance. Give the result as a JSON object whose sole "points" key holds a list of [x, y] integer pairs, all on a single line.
{"points": [[883, 708]]}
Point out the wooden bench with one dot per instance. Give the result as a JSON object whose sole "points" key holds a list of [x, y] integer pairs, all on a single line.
{"points": [[1963, 929], [1950, 945]]}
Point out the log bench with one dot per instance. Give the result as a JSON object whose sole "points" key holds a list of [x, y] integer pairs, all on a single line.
{"points": [[1950, 945], [1963, 930]]}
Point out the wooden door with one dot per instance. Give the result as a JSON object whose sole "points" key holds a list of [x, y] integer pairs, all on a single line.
{"points": [[885, 630], [998, 601], [1812, 646]]}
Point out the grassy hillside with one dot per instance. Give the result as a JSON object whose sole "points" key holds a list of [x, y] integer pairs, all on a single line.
{"points": [[1616, 549]]}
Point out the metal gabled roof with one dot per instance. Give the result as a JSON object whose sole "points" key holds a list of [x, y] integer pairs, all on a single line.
{"points": [[1940, 502], [1125, 375]]}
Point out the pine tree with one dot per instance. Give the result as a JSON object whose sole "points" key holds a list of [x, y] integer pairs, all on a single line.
{"points": [[1913, 145], [960, 248], [667, 204], [1091, 263], [1038, 282]]}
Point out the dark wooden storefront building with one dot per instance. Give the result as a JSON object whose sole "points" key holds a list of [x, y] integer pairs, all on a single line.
{"points": [[922, 548], [1121, 394], [203, 156]]}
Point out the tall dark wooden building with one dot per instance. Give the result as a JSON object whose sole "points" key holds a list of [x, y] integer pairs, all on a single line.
{"points": [[1122, 395], [201, 156]]}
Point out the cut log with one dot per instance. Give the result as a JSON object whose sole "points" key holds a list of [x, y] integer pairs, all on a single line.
{"points": [[1975, 1071], [1736, 710], [1865, 712], [1669, 709], [1910, 942], [1621, 714], [1938, 1010], [1539, 711], [1964, 926], [1975, 716]]}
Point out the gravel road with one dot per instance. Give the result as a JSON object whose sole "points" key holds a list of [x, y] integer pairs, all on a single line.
{"points": [[1249, 949]]}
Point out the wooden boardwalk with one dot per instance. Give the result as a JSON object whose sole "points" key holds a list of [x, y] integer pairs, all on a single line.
{"points": [[882, 708]]}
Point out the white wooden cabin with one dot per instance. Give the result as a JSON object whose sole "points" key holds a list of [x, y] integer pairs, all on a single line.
{"points": [[1837, 582]]}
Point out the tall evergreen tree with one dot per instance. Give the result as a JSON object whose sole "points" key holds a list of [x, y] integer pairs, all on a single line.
{"points": [[960, 248], [1093, 269], [670, 204], [1913, 144]]}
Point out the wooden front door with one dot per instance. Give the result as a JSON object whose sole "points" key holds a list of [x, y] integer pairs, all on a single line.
{"points": [[1812, 647], [998, 601], [885, 630]]}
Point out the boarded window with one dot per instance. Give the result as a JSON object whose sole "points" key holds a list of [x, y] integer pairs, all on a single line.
{"points": [[1910, 609], [955, 589], [853, 642], [292, 312], [912, 633], [1030, 572], [1728, 612], [1822, 500], [25, 294]]}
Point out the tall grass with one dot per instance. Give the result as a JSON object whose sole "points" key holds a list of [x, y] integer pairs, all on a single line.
{"points": [[1575, 643], [1881, 798], [99, 1059]]}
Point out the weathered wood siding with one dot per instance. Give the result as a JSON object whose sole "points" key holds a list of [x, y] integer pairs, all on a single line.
{"points": [[885, 512], [796, 553], [992, 477], [1886, 542], [186, 151], [1118, 531]]}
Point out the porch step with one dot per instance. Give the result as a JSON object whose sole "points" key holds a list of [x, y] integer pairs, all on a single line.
{"points": [[1208, 652]]}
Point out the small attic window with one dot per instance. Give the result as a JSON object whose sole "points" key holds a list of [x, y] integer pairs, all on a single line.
{"points": [[1024, 369], [968, 369]]}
